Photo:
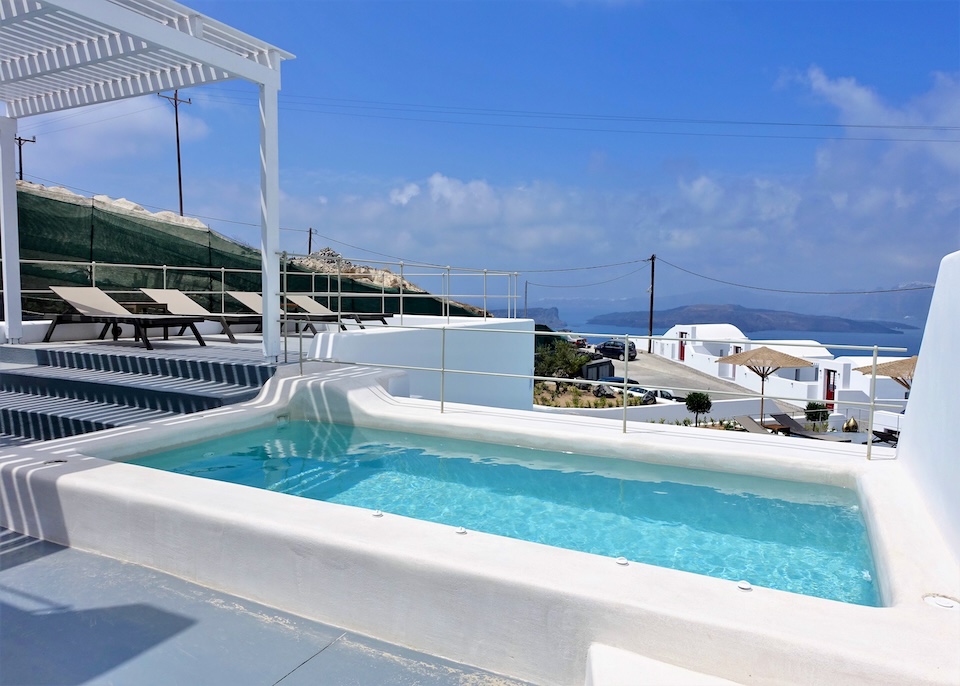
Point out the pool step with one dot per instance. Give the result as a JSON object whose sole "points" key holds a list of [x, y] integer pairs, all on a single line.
{"points": [[57, 391], [608, 666]]}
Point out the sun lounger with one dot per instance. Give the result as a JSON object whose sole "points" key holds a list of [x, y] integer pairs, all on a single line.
{"points": [[91, 305], [750, 424], [887, 436], [311, 306], [253, 301], [180, 303], [796, 429]]}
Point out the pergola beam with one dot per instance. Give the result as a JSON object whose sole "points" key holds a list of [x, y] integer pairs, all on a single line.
{"points": [[173, 38], [73, 55], [116, 89], [62, 54]]}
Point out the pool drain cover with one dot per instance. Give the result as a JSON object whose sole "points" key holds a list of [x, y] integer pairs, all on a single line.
{"points": [[937, 600]]}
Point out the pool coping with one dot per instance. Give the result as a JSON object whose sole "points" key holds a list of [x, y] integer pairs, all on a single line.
{"points": [[521, 609]]}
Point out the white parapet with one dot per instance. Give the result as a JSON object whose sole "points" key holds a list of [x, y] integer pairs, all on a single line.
{"points": [[457, 345], [928, 443]]}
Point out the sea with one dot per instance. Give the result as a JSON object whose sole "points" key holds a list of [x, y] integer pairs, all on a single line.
{"points": [[909, 340]]}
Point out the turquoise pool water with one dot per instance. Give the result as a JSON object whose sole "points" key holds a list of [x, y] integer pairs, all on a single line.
{"points": [[802, 538]]}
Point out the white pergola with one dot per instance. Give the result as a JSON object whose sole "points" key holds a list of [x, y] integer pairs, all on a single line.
{"points": [[60, 54]]}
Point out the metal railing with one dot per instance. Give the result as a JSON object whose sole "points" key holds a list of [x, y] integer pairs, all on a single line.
{"points": [[445, 276], [871, 405], [432, 281], [492, 286]]}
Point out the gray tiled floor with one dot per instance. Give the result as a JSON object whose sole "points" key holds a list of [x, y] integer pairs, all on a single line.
{"points": [[70, 617]]}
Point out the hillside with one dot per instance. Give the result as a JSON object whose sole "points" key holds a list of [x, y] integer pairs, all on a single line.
{"points": [[747, 320]]}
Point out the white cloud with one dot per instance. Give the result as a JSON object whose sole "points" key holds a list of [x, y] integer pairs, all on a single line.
{"points": [[703, 193], [401, 196], [918, 119]]}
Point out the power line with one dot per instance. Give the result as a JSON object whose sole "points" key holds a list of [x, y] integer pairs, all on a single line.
{"points": [[587, 285], [97, 121], [453, 109], [580, 269], [646, 132], [781, 290]]}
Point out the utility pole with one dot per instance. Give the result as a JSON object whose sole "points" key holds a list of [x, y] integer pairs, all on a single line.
{"points": [[310, 241], [20, 142], [653, 266], [525, 285], [176, 120]]}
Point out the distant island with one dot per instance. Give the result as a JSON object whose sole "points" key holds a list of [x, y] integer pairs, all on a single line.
{"points": [[548, 316], [746, 319]]}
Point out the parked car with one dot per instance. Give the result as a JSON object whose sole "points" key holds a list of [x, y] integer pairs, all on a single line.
{"points": [[577, 341], [614, 349], [664, 394], [615, 383]]}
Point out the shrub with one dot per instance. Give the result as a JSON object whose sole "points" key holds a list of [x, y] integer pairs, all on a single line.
{"points": [[698, 403], [560, 359]]}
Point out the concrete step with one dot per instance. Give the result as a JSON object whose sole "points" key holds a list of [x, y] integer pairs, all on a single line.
{"points": [[62, 390], [169, 393], [42, 418], [232, 371]]}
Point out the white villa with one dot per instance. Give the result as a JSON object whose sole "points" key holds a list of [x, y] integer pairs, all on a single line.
{"points": [[832, 380]]}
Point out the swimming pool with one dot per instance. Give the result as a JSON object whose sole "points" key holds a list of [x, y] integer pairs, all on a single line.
{"points": [[802, 538]]}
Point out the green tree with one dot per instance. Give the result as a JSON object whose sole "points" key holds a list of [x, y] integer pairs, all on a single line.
{"points": [[698, 403], [558, 359], [817, 412]]}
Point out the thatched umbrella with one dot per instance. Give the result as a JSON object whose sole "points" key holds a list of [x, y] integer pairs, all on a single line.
{"points": [[764, 361], [900, 371]]}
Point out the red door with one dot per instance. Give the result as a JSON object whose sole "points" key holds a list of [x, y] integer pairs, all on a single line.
{"points": [[830, 391], [683, 346]]}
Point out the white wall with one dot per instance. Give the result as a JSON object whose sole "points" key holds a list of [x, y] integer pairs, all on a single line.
{"points": [[928, 443], [470, 344]]}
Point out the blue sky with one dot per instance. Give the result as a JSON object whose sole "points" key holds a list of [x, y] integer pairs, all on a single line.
{"points": [[770, 143]]}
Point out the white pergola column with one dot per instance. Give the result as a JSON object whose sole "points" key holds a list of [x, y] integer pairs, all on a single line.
{"points": [[270, 219], [10, 231]]}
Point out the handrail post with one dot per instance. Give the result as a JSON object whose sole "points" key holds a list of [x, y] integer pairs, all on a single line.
{"points": [[626, 377], [93, 273], [446, 299], [339, 286], [873, 399], [443, 364], [164, 276], [223, 290], [484, 293], [400, 308], [283, 309]]}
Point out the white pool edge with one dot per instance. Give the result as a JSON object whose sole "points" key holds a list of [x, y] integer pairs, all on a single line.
{"points": [[516, 608]]}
